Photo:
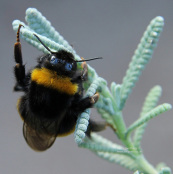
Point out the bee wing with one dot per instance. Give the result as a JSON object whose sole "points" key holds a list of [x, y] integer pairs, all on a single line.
{"points": [[37, 141]]}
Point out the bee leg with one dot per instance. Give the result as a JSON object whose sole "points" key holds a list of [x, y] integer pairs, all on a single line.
{"points": [[94, 98], [88, 102], [95, 127], [84, 75], [81, 75], [85, 103], [19, 69]]}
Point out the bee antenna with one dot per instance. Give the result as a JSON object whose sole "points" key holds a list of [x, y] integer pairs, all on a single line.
{"points": [[84, 60], [43, 44]]}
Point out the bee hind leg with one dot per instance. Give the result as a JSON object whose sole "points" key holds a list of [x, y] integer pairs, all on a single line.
{"points": [[95, 127]]}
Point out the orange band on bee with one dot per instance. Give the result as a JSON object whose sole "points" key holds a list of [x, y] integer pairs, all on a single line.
{"points": [[50, 79]]}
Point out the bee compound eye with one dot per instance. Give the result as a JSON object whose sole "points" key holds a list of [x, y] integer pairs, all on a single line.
{"points": [[68, 66], [54, 60]]}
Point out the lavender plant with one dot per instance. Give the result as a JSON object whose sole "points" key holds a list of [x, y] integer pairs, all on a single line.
{"points": [[112, 101]]}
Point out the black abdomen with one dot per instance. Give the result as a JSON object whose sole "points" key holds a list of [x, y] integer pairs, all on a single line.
{"points": [[47, 103]]}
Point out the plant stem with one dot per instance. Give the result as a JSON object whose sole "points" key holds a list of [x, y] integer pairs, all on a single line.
{"points": [[140, 160], [145, 166]]}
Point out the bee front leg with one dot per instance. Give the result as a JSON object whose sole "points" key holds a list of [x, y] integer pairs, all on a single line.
{"points": [[19, 69], [81, 75], [84, 75], [85, 103]]}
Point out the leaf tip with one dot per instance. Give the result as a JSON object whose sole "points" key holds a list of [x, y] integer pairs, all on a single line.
{"points": [[167, 106], [158, 87], [30, 10], [160, 18]]}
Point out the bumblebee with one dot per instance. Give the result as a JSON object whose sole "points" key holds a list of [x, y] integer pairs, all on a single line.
{"points": [[53, 96]]}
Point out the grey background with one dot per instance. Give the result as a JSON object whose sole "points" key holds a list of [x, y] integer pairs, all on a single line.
{"points": [[111, 29]]}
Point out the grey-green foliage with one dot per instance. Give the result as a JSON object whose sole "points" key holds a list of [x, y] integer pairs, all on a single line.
{"points": [[141, 57], [111, 102], [150, 102]]}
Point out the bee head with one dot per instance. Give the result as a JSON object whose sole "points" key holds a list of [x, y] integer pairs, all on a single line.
{"points": [[62, 62]]}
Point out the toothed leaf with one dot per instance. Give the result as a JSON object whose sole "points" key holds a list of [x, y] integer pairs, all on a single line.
{"points": [[141, 57], [123, 159], [149, 103], [148, 116], [38, 23], [115, 90]]}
